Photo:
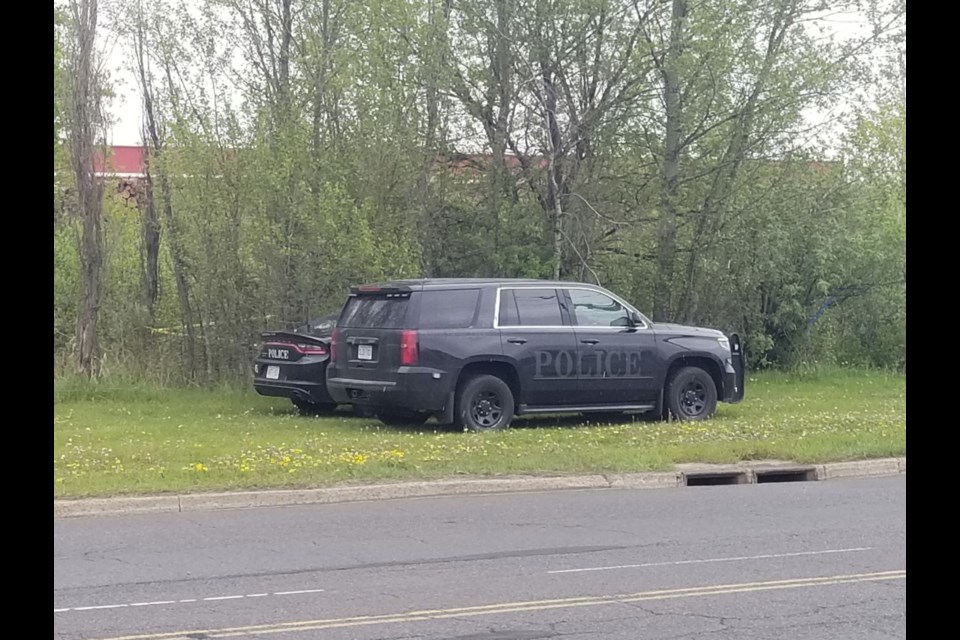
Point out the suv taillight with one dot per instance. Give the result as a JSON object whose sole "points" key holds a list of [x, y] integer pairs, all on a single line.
{"points": [[333, 344], [409, 349]]}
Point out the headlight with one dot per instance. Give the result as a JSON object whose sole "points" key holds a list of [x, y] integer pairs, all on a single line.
{"points": [[724, 342]]}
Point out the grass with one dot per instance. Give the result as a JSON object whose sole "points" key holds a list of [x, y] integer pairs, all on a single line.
{"points": [[128, 439]]}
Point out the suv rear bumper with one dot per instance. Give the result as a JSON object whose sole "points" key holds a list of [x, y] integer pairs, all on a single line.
{"points": [[418, 389]]}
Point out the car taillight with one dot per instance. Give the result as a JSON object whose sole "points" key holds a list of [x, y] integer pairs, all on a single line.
{"points": [[333, 344], [409, 349], [312, 349]]}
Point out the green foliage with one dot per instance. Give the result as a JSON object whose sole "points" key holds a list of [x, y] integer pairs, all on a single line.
{"points": [[340, 155], [66, 285]]}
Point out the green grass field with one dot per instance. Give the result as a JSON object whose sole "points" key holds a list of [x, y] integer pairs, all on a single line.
{"points": [[123, 439]]}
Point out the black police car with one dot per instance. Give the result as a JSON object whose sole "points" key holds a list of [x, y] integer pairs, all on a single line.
{"points": [[293, 364], [474, 353]]}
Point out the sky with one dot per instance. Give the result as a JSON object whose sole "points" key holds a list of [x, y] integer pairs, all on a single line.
{"points": [[124, 109]]}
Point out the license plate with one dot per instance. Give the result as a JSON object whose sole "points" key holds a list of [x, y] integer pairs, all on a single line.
{"points": [[273, 373], [365, 352]]}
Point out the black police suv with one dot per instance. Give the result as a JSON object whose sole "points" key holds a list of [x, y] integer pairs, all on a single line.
{"points": [[474, 353], [293, 364]]}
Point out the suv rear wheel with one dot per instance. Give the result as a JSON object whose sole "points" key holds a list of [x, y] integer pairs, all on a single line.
{"points": [[691, 394], [308, 408], [402, 419], [484, 403]]}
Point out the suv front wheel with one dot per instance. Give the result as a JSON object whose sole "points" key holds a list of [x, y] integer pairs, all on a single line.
{"points": [[691, 394], [484, 403]]}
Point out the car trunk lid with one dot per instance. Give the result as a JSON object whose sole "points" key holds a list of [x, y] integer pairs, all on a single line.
{"points": [[290, 346]]}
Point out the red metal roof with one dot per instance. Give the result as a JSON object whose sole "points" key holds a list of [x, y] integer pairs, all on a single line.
{"points": [[122, 161]]}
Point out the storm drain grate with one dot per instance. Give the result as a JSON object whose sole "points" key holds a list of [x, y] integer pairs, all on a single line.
{"points": [[786, 475], [714, 479]]}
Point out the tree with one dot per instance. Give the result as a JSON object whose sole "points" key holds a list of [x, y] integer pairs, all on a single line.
{"points": [[546, 81], [86, 91], [659, 148]]}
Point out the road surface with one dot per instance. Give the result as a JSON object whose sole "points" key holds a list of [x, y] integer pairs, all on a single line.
{"points": [[798, 560]]}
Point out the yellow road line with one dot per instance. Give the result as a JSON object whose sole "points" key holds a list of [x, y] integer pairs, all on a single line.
{"points": [[515, 607]]}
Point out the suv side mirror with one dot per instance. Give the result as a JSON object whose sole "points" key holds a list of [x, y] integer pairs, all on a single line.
{"points": [[635, 319]]}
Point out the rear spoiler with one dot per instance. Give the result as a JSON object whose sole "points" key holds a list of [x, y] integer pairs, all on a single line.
{"points": [[294, 337], [388, 290]]}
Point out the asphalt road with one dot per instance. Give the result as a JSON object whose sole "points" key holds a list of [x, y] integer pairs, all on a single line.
{"points": [[775, 561]]}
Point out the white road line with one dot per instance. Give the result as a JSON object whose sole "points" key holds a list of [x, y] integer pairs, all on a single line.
{"points": [[186, 600], [709, 560]]}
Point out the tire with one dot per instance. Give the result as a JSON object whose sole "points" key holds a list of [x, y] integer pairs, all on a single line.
{"points": [[363, 412], [691, 394], [308, 408], [484, 403], [402, 419]]}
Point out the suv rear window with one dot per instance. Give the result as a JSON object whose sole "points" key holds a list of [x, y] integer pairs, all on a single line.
{"points": [[448, 309], [530, 308], [375, 312]]}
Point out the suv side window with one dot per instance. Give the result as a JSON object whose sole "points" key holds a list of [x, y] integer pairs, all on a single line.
{"points": [[594, 309], [448, 309], [530, 308]]}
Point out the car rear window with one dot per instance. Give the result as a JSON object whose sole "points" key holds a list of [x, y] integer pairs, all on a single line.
{"points": [[448, 309], [375, 312]]}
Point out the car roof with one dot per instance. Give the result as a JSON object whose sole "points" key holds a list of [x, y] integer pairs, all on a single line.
{"points": [[457, 283]]}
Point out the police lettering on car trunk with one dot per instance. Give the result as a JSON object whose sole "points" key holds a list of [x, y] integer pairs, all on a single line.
{"points": [[474, 353]]}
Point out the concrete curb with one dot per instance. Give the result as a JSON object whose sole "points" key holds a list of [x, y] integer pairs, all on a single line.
{"points": [[862, 468], [115, 506], [686, 475]]}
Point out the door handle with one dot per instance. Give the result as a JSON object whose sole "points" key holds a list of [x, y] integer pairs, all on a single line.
{"points": [[589, 341], [517, 340]]}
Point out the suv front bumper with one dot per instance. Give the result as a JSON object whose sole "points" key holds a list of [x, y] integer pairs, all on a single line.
{"points": [[731, 392]]}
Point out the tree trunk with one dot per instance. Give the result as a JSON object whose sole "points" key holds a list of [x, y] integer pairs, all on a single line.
{"points": [[166, 203], [714, 202], [180, 275], [151, 247], [433, 65], [667, 234], [151, 220], [86, 119], [553, 201]]}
